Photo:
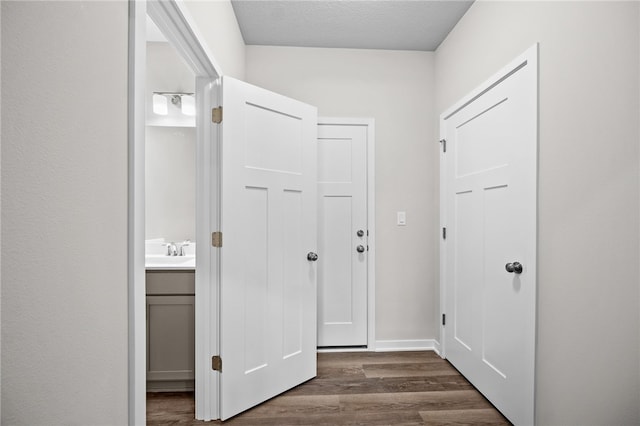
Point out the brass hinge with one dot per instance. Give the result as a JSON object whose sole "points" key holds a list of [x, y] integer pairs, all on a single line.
{"points": [[444, 145], [216, 239], [216, 363], [216, 115]]}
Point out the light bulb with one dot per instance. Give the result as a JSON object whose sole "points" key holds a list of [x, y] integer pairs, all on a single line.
{"points": [[160, 105], [188, 105]]}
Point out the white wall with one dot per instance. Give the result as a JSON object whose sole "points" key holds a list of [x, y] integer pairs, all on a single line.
{"points": [[64, 213], [170, 186], [588, 289], [170, 153], [395, 88], [217, 24]]}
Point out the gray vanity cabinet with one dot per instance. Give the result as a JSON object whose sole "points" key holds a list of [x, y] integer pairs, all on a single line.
{"points": [[170, 330]]}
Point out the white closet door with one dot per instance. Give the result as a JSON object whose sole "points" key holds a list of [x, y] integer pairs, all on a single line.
{"points": [[490, 246]]}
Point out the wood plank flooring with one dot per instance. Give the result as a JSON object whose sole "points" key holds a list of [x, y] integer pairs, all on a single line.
{"points": [[357, 388]]}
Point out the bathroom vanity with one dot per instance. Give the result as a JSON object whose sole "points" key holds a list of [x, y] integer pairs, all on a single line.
{"points": [[170, 329]]}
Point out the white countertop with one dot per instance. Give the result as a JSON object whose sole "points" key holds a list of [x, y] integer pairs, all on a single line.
{"points": [[163, 262]]}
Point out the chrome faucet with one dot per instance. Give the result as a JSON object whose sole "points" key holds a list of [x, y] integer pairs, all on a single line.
{"points": [[172, 249], [182, 246]]}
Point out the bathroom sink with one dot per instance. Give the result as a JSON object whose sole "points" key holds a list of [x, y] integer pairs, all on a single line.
{"points": [[169, 262]]}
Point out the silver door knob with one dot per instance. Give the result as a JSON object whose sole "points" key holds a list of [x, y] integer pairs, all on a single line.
{"points": [[360, 233], [360, 249], [311, 256], [515, 267]]}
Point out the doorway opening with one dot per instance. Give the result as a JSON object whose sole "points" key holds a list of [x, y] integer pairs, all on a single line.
{"points": [[183, 109], [170, 187]]}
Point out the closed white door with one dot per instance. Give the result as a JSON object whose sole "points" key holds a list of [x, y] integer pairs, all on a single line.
{"points": [[342, 231], [490, 183], [268, 217]]}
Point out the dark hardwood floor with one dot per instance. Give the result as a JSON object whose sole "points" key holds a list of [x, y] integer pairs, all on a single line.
{"points": [[357, 388]]}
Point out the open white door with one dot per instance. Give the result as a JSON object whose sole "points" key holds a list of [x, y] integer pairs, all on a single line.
{"points": [[490, 163], [268, 220]]}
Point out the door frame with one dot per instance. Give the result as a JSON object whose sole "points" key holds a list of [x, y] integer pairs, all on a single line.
{"points": [[369, 123], [179, 28], [530, 57]]}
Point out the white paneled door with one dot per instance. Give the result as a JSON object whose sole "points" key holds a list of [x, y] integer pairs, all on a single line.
{"points": [[490, 181], [342, 231], [268, 218]]}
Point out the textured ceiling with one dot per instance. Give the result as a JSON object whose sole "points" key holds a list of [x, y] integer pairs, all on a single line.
{"points": [[360, 24]]}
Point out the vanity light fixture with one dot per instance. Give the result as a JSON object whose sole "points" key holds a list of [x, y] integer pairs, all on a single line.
{"points": [[183, 100]]}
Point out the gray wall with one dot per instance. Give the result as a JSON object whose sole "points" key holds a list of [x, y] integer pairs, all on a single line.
{"points": [[588, 325], [170, 153], [395, 88], [64, 212]]}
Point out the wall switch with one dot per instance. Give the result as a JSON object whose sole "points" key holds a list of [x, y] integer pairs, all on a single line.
{"points": [[402, 218]]}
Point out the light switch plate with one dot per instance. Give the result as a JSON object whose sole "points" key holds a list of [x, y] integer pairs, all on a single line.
{"points": [[402, 218]]}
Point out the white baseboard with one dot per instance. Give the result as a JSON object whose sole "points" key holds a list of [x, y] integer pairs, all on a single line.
{"points": [[437, 347], [342, 349], [407, 345]]}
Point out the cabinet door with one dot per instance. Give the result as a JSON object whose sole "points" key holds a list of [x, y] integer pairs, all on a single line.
{"points": [[163, 282], [170, 337]]}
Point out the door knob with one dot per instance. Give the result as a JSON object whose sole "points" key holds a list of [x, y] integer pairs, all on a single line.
{"points": [[360, 249], [515, 267], [311, 256], [360, 233]]}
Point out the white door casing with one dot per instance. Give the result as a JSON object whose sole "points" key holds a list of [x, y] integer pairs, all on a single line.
{"points": [[489, 199], [342, 232], [268, 220]]}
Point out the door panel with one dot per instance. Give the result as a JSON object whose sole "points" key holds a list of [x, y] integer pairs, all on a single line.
{"points": [[490, 203], [268, 219], [337, 301], [170, 340], [342, 273]]}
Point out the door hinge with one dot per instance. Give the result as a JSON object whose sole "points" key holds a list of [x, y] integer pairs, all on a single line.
{"points": [[444, 145], [444, 233], [216, 115], [444, 319], [216, 239], [216, 363]]}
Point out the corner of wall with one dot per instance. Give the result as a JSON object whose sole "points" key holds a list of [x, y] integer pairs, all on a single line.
{"points": [[217, 23]]}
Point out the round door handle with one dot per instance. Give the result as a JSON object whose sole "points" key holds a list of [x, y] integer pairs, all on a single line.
{"points": [[360, 249], [360, 233], [515, 267], [311, 256]]}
